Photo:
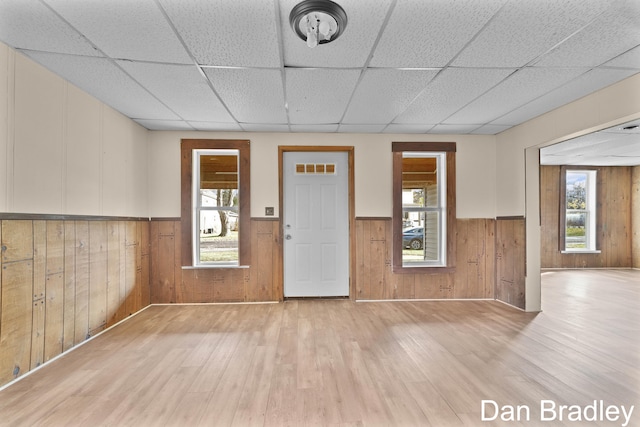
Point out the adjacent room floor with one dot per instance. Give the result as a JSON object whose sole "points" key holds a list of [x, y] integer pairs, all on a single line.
{"points": [[336, 362]]}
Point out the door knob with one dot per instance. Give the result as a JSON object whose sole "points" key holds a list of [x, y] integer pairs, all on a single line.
{"points": [[288, 236]]}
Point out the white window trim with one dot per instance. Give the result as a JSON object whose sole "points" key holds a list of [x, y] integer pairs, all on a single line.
{"points": [[441, 179], [196, 207], [591, 211]]}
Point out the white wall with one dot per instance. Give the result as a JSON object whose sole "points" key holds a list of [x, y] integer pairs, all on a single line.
{"points": [[373, 166], [63, 151]]}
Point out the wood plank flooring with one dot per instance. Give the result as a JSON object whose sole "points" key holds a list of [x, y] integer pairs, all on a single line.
{"points": [[340, 363]]}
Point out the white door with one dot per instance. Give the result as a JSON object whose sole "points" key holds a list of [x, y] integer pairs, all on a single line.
{"points": [[316, 224]]}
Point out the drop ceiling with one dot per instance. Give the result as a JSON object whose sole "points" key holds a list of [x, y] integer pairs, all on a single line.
{"points": [[615, 146], [401, 66]]}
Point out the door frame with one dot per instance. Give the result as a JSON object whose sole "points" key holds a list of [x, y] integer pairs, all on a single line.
{"points": [[351, 193]]}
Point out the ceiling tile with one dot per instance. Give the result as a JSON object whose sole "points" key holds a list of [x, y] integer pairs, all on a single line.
{"points": [[192, 99], [164, 124], [524, 30], [407, 128], [382, 94], [630, 59], [143, 32], [361, 128], [490, 129], [520, 88], [239, 33], [32, 25], [430, 33], [613, 33], [315, 128], [451, 129], [217, 127], [252, 95], [251, 127], [351, 49], [582, 85], [451, 90], [319, 95], [104, 80]]}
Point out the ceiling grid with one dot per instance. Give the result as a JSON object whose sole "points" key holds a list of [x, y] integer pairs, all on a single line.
{"points": [[400, 66]]}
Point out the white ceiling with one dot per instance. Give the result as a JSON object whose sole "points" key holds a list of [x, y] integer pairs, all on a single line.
{"points": [[401, 66]]}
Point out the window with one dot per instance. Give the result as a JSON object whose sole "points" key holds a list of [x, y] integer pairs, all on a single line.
{"points": [[423, 206], [215, 206], [578, 206], [215, 203]]}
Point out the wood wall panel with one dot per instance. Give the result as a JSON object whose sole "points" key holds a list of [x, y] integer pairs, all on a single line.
{"points": [[38, 289], [69, 285], [372, 276], [475, 266], [97, 276], [635, 217], [16, 318], [122, 280], [510, 261], [54, 316], [145, 264], [473, 278], [81, 328], [163, 261], [54, 290], [613, 221], [260, 281], [113, 273], [60, 283], [264, 283], [17, 240]]}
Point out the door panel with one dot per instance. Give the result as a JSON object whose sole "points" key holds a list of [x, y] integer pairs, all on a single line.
{"points": [[316, 224]]}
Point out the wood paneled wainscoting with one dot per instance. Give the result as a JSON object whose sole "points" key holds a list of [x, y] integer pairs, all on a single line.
{"points": [[474, 276], [64, 280], [511, 260], [171, 283]]}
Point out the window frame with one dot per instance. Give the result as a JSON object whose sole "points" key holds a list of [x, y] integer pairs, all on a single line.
{"points": [[449, 149], [187, 148], [562, 242]]}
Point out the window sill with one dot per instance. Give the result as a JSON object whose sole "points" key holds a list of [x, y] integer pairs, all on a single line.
{"points": [[206, 267], [585, 251]]}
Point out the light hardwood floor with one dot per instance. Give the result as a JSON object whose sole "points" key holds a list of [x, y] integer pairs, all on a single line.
{"points": [[336, 362]]}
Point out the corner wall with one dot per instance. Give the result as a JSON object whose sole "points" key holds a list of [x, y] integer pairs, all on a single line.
{"points": [[73, 185]]}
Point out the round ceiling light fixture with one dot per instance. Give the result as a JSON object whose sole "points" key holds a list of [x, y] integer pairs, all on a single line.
{"points": [[318, 21]]}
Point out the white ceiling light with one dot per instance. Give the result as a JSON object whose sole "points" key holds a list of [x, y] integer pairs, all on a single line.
{"points": [[318, 21]]}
